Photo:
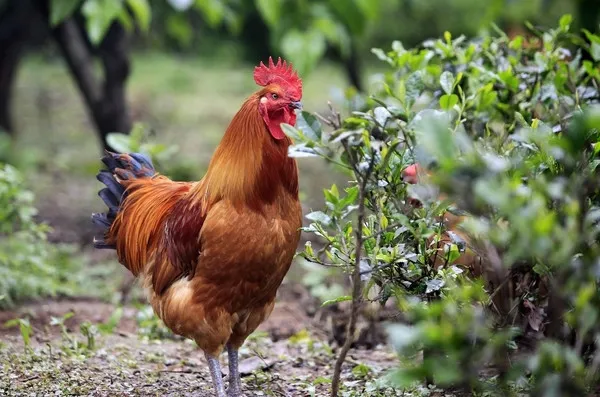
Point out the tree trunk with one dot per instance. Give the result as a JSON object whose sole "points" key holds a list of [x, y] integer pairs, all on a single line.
{"points": [[114, 114], [13, 35], [588, 11], [10, 52], [353, 69], [105, 100]]}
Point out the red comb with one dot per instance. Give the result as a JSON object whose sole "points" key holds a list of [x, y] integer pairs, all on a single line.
{"points": [[280, 73]]}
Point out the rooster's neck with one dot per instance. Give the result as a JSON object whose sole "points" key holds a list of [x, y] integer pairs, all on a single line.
{"points": [[249, 166]]}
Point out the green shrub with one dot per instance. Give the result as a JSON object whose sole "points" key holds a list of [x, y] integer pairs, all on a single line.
{"points": [[510, 133], [30, 266]]}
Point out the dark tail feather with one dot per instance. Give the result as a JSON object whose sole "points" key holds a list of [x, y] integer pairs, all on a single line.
{"points": [[111, 201], [102, 220], [126, 166], [101, 244], [111, 183]]}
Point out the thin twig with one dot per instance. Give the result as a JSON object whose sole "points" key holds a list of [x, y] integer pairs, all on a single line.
{"points": [[321, 263], [184, 371], [356, 281], [506, 280]]}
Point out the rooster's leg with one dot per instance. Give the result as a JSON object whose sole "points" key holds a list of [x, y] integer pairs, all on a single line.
{"points": [[216, 375], [235, 383]]}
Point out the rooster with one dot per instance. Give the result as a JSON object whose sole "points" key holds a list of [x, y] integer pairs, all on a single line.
{"points": [[211, 254]]}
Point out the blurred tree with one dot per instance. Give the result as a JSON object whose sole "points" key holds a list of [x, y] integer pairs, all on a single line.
{"points": [[104, 97], [83, 31], [13, 34], [303, 30]]}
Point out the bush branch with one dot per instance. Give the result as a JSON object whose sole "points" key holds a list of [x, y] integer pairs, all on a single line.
{"points": [[356, 282]]}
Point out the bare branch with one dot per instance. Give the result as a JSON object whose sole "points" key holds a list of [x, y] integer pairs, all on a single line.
{"points": [[356, 280]]}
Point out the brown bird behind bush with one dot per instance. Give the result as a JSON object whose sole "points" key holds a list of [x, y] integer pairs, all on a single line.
{"points": [[473, 257], [212, 254]]}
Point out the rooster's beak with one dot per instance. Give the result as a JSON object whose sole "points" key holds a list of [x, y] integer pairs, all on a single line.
{"points": [[296, 105]]}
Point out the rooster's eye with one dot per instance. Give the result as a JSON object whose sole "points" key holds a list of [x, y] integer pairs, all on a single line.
{"points": [[274, 96]]}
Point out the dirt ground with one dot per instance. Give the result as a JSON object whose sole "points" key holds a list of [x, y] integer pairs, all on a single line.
{"points": [[287, 356]]}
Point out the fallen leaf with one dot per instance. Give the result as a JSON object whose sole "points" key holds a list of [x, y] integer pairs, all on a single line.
{"points": [[251, 364]]}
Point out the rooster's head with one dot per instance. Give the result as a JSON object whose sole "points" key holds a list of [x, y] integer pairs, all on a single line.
{"points": [[280, 97]]}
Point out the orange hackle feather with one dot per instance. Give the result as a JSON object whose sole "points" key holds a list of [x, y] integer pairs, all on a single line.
{"points": [[212, 253]]}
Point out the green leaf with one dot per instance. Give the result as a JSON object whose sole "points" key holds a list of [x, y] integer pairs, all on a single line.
{"points": [[382, 115], [125, 19], [406, 377], [335, 33], [61, 10], [432, 130], [109, 326], [565, 22], [321, 380], [447, 82], [291, 131], [213, 11], [334, 191], [270, 10], [179, 28], [12, 323], [361, 371], [448, 37], [487, 99], [319, 216], [351, 196], [336, 300], [379, 53], [453, 253], [301, 150], [119, 142], [142, 12], [309, 125], [100, 14], [590, 69], [433, 285], [511, 81], [414, 88], [303, 49], [383, 221], [447, 102], [350, 15], [594, 44]]}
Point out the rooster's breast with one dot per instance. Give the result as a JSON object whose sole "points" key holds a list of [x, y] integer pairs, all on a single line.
{"points": [[246, 252]]}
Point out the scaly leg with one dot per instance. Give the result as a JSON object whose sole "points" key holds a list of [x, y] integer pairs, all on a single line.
{"points": [[235, 382], [216, 375]]}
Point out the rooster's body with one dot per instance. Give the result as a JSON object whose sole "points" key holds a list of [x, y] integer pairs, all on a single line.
{"points": [[212, 254]]}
